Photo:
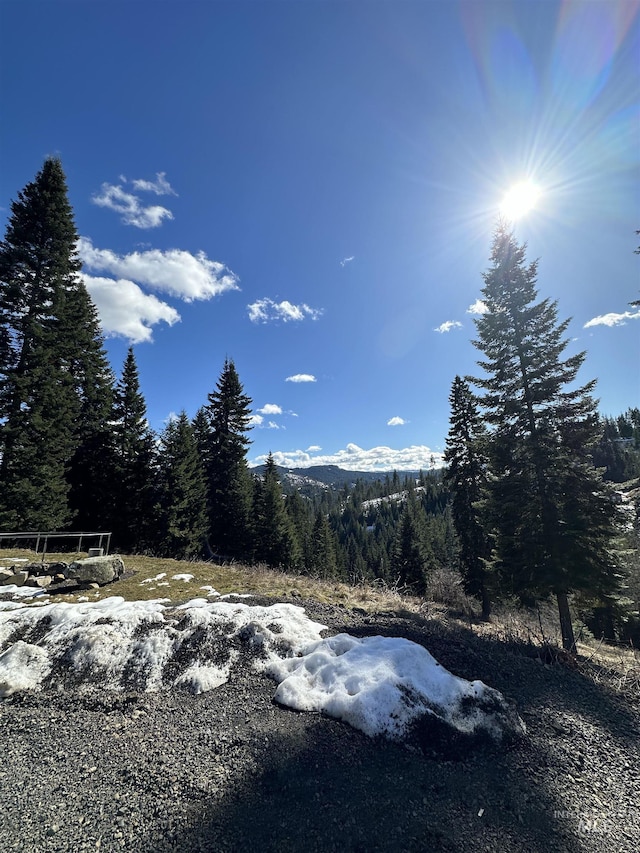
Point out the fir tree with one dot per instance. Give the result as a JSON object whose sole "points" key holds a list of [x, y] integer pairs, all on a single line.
{"points": [[410, 553], [274, 542], [553, 517], [466, 476], [92, 469], [134, 462], [322, 548], [228, 479], [183, 491], [39, 407]]}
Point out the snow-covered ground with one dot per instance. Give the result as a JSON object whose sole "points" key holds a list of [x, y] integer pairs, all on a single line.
{"points": [[379, 685]]}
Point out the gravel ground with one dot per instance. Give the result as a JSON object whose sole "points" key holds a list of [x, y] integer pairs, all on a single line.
{"points": [[231, 771]]}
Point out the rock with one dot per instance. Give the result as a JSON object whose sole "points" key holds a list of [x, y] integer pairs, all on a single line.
{"points": [[19, 579], [41, 581], [5, 575], [100, 570]]}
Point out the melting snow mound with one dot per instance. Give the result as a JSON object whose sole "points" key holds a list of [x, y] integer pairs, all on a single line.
{"points": [[384, 685]]}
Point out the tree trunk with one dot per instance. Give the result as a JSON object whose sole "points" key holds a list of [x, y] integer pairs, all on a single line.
{"points": [[486, 605], [568, 639]]}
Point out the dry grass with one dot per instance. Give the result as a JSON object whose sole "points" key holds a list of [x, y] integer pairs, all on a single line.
{"points": [[141, 583]]}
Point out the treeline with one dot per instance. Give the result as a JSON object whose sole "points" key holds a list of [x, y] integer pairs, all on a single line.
{"points": [[525, 508]]}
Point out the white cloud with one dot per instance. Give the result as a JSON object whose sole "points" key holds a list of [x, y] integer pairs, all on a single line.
{"points": [[174, 271], [270, 409], [128, 205], [125, 310], [613, 319], [346, 261], [160, 186], [354, 458], [396, 421], [266, 310], [301, 377], [255, 420], [478, 307], [274, 425], [313, 448], [447, 326]]}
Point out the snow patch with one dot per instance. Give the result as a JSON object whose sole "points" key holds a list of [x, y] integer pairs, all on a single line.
{"points": [[380, 685], [22, 667]]}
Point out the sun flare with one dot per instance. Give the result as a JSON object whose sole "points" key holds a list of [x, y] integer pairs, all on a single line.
{"points": [[520, 199]]}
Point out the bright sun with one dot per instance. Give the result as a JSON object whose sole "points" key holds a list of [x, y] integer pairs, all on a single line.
{"points": [[520, 199]]}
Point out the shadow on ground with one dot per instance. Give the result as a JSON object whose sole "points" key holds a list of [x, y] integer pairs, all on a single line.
{"points": [[321, 786]]}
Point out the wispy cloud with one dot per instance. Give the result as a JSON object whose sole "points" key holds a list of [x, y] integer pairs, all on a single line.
{"points": [[160, 186], [274, 425], [174, 271], [255, 420], [354, 458], [346, 261], [268, 311], [478, 307], [396, 421], [270, 409], [130, 208], [301, 377], [448, 326], [612, 319], [125, 310]]}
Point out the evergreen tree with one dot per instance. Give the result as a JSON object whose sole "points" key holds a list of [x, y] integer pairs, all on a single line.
{"points": [[466, 475], [274, 542], [92, 469], [228, 478], [183, 491], [322, 551], [300, 518], [411, 557], [38, 404], [553, 516], [134, 462]]}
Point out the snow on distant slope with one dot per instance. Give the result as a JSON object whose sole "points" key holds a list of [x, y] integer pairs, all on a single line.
{"points": [[379, 685]]}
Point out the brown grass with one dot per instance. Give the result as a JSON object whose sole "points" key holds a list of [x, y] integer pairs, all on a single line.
{"points": [[140, 571]]}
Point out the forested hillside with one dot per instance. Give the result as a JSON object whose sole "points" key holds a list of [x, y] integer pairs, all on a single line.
{"points": [[524, 511]]}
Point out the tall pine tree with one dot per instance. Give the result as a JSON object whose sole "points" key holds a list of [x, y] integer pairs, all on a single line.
{"points": [[135, 480], [92, 469], [466, 475], [184, 520], [228, 479], [274, 541], [552, 515], [39, 406]]}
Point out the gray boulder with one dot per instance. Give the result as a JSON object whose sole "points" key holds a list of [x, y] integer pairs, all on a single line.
{"points": [[18, 578], [100, 570]]}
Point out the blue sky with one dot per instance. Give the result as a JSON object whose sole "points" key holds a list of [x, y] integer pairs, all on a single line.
{"points": [[310, 188]]}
